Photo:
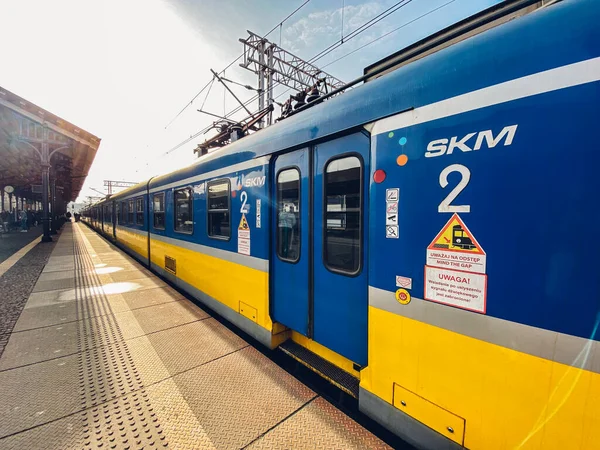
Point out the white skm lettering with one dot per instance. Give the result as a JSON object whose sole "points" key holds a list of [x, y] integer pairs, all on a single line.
{"points": [[456, 279], [441, 147], [255, 181]]}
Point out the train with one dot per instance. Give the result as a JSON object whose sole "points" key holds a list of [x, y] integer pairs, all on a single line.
{"points": [[355, 235]]}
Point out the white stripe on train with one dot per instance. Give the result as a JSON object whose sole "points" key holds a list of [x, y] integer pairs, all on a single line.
{"points": [[538, 83]]}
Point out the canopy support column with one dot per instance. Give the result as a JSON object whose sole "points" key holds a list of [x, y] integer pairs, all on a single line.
{"points": [[45, 157]]}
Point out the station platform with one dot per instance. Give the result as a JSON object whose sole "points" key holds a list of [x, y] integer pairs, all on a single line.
{"points": [[106, 355]]}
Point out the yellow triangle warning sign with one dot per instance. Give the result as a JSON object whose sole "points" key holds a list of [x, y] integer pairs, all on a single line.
{"points": [[243, 223], [455, 236]]}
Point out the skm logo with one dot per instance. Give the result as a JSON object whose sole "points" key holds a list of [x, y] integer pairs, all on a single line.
{"points": [[254, 181], [447, 146]]}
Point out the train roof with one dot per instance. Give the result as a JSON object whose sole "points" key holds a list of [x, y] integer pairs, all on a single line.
{"points": [[547, 38], [459, 31]]}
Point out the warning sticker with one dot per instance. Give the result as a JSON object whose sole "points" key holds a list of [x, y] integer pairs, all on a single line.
{"points": [[452, 287], [243, 223], [258, 213], [455, 268], [455, 247], [391, 219], [403, 296], [244, 236], [391, 232], [391, 195], [403, 282], [391, 213]]}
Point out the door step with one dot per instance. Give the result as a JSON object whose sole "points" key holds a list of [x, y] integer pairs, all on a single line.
{"points": [[321, 366]]}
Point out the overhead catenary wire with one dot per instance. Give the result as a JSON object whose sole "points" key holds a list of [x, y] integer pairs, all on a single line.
{"points": [[388, 33], [208, 92], [365, 26], [201, 91], [231, 64]]}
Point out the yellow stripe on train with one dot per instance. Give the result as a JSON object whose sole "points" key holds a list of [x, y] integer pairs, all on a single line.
{"points": [[241, 288], [134, 241], [444, 377]]}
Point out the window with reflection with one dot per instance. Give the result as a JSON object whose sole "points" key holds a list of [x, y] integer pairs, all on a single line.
{"points": [[139, 211], [130, 212], [184, 214], [124, 212], [108, 213], [288, 215], [219, 218], [159, 211], [342, 217]]}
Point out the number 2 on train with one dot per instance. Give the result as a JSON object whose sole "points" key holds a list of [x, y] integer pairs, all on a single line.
{"points": [[445, 206], [244, 200]]}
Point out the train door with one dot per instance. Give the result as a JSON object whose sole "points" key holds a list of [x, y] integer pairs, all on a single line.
{"points": [[321, 290], [340, 298], [290, 269]]}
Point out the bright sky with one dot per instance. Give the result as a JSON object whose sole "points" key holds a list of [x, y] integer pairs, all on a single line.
{"points": [[122, 69]]}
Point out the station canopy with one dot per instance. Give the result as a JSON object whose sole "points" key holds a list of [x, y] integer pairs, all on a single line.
{"points": [[22, 132]]}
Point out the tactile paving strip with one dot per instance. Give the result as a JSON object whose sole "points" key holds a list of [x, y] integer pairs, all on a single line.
{"points": [[118, 411]]}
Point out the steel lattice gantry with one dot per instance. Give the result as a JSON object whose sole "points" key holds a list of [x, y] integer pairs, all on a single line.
{"points": [[38, 148], [273, 65]]}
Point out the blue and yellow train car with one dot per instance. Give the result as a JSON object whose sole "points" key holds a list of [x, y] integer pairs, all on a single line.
{"points": [[426, 241]]}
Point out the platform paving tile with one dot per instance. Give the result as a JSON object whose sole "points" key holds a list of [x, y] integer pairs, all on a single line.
{"points": [[240, 396], [68, 282], [134, 274], [58, 275], [159, 317], [58, 267], [147, 298], [54, 285], [191, 345], [46, 316], [147, 369], [336, 431], [41, 344], [36, 394]]}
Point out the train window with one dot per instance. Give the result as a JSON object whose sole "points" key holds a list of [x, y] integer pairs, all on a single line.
{"points": [[124, 212], [130, 212], [184, 213], [288, 215], [139, 211], [219, 217], [108, 214], [343, 215], [118, 211], [159, 211]]}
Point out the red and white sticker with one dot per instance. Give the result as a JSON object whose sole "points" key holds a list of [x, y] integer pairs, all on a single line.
{"points": [[404, 282], [466, 290]]}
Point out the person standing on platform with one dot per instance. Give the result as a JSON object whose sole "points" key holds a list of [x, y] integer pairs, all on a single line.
{"points": [[23, 222]]}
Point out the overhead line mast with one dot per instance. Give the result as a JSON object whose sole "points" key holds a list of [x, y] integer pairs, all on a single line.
{"points": [[273, 64]]}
